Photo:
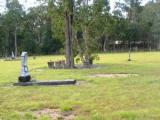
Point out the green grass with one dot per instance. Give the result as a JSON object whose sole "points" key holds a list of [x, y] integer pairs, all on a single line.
{"points": [[131, 98]]}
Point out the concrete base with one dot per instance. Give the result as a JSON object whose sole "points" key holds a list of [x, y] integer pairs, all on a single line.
{"points": [[46, 83]]}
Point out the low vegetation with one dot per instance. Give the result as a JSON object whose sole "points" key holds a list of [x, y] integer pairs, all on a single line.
{"points": [[94, 98]]}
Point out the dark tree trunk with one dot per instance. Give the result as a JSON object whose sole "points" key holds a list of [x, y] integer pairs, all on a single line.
{"points": [[15, 42], [105, 45], [78, 45], [85, 33], [149, 42], [129, 55], [69, 38], [6, 45]]}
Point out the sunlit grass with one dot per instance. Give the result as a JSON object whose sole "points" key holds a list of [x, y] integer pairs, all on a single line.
{"points": [[131, 98]]}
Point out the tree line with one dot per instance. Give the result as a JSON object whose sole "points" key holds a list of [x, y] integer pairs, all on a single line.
{"points": [[79, 27]]}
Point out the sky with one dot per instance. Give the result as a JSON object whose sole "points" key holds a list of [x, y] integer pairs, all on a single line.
{"points": [[31, 3], [25, 3]]}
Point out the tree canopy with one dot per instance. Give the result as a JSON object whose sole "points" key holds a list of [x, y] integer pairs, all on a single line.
{"points": [[94, 27]]}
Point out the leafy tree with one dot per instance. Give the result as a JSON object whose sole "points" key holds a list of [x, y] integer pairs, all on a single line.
{"points": [[13, 19]]}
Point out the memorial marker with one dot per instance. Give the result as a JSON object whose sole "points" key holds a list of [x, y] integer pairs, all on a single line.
{"points": [[24, 77]]}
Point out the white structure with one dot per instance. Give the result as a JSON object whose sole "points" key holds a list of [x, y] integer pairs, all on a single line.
{"points": [[24, 69], [24, 77]]}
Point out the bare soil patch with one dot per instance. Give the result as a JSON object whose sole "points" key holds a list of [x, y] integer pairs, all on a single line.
{"points": [[55, 114], [112, 75]]}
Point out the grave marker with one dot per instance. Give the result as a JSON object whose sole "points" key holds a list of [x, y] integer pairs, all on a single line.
{"points": [[24, 77]]}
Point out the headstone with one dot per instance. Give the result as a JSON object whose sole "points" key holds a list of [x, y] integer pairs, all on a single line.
{"points": [[24, 77]]}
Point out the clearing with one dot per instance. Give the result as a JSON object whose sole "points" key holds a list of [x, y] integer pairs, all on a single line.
{"points": [[96, 98]]}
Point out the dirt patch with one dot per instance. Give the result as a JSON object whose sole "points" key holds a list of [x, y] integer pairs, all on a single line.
{"points": [[55, 114], [112, 75]]}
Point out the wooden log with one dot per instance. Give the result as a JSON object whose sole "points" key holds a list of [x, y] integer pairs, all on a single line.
{"points": [[47, 83]]}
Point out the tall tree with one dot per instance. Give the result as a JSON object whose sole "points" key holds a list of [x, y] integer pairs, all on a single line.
{"points": [[14, 16], [68, 11]]}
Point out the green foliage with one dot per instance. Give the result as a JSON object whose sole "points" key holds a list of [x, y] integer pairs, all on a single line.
{"points": [[66, 108], [40, 30], [34, 30]]}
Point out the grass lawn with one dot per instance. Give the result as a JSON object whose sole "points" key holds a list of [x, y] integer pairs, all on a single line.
{"points": [[120, 98]]}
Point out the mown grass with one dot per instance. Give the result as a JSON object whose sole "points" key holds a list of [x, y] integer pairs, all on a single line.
{"points": [[131, 98]]}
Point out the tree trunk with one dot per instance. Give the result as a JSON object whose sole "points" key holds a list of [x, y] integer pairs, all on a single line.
{"points": [[80, 51], [85, 32], [105, 44], [6, 44], [15, 43], [71, 40], [149, 42], [68, 36], [129, 55], [86, 41]]}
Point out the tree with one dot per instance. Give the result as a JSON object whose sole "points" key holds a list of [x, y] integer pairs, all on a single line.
{"points": [[92, 27], [102, 23], [68, 11], [13, 19], [132, 8]]}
